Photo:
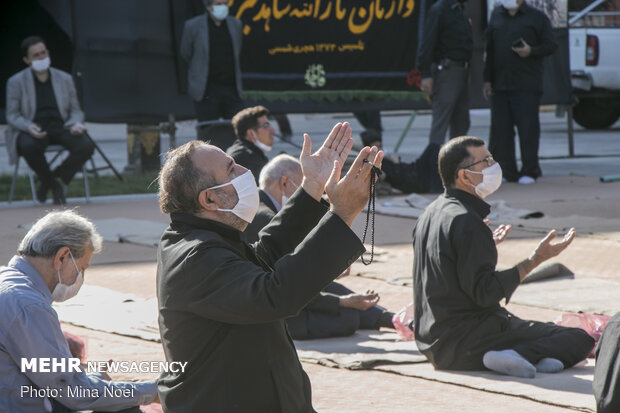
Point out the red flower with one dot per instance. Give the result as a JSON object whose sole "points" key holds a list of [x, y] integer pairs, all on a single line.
{"points": [[414, 78]]}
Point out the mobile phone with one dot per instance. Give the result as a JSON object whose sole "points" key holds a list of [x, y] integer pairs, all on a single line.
{"points": [[518, 43]]}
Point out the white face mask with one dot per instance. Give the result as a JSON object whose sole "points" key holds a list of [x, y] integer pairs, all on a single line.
{"points": [[247, 191], [491, 180], [41, 65], [284, 197], [262, 146], [220, 12], [510, 4], [63, 292]]}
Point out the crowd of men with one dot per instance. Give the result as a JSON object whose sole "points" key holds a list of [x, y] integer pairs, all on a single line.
{"points": [[254, 246]]}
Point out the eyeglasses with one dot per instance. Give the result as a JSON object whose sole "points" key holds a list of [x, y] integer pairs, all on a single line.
{"points": [[264, 125], [489, 160]]}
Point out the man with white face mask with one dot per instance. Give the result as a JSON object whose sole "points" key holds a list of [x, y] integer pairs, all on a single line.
{"points": [[459, 323], [50, 266], [254, 139], [211, 46], [222, 301], [42, 109]]}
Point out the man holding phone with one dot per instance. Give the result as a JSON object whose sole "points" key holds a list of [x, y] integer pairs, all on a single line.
{"points": [[517, 40]]}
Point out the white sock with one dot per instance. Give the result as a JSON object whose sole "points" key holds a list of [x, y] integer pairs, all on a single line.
{"points": [[549, 365], [509, 362]]}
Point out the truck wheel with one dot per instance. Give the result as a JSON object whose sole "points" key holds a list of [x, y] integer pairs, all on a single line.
{"points": [[596, 113]]}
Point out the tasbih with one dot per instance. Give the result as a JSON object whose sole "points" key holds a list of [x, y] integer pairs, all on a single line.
{"points": [[374, 173]]}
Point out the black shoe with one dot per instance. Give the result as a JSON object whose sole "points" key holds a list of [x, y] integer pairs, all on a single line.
{"points": [[58, 192], [42, 192]]}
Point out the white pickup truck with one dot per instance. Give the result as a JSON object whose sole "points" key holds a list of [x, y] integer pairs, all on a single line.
{"points": [[594, 36]]}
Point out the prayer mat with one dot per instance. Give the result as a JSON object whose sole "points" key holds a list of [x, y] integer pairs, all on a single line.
{"points": [[134, 231], [363, 350], [571, 388], [412, 206], [99, 308], [588, 295]]}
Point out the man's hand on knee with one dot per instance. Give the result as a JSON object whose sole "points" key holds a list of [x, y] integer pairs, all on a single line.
{"points": [[36, 132], [77, 129]]}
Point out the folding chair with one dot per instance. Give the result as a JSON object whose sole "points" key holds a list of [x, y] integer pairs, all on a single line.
{"points": [[57, 150]]}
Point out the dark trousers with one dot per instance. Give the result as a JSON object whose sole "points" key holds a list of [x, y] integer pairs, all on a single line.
{"points": [[345, 323], [450, 103], [520, 109], [531, 339], [370, 119], [420, 176], [220, 101], [33, 150]]}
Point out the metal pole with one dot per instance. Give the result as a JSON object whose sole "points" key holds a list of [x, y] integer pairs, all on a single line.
{"points": [[585, 11], [405, 131], [571, 136]]}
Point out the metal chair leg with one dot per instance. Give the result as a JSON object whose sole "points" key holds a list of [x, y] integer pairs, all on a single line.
{"points": [[86, 187], [14, 181], [32, 187]]}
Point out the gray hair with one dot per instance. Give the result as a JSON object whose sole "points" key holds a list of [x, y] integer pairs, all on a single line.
{"points": [[207, 3], [60, 229], [281, 165]]}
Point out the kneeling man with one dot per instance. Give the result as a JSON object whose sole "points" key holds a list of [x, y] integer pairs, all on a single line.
{"points": [[459, 323]]}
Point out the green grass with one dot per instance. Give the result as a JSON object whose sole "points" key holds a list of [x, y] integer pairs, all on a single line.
{"points": [[104, 185]]}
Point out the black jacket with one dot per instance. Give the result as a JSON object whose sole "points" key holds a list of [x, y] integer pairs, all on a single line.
{"points": [[455, 282], [222, 303], [266, 211], [504, 68], [246, 154]]}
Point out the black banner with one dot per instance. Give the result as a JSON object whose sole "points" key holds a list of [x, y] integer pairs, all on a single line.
{"points": [[329, 49]]}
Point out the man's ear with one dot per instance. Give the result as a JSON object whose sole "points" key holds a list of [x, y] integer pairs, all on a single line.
{"points": [[60, 257], [208, 200], [250, 135], [25, 59], [463, 177]]}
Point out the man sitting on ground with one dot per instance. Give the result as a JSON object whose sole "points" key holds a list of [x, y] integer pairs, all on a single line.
{"points": [[254, 138], [42, 109], [50, 265], [459, 323], [336, 310]]}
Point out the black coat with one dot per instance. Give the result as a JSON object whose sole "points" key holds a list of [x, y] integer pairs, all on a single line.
{"points": [[266, 211], [222, 303], [246, 154]]}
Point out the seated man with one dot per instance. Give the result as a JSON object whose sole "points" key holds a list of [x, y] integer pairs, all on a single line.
{"points": [[50, 265], [420, 176], [222, 302], [254, 138], [42, 109], [459, 323], [336, 310]]}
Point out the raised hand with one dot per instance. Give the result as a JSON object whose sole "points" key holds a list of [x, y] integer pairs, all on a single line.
{"points": [[349, 195], [318, 166], [546, 249], [500, 232]]}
